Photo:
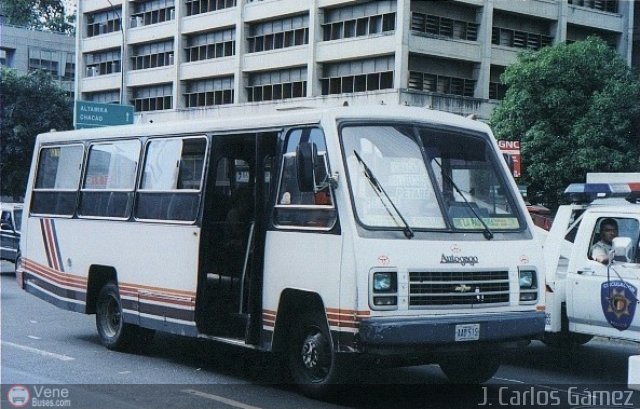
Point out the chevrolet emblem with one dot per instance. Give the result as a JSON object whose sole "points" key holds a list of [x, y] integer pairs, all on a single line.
{"points": [[462, 288]]}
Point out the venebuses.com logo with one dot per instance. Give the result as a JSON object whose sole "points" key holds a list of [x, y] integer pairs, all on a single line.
{"points": [[21, 396], [18, 396]]}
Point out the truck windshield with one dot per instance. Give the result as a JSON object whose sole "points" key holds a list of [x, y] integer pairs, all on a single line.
{"points": [[434, 177]]}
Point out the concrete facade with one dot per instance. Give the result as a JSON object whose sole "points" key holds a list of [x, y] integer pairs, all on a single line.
{"points": [[187, 59], [25, 50]]}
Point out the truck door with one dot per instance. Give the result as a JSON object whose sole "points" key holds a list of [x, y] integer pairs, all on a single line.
{"points": [[601, 302]]}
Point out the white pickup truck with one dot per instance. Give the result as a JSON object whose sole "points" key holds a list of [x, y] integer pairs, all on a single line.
{"points": [[586, 297]]}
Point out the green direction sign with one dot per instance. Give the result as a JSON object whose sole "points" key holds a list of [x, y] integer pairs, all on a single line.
{"points": [[94, 114]]}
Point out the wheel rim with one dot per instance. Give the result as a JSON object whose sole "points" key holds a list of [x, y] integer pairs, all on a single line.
{"points": [[315, 355], [111, 317]]}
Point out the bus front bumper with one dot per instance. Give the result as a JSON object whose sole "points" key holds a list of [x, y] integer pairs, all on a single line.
{"points": [[434, 332]]}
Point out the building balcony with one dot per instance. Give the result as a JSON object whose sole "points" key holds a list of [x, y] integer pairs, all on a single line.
{"points": [[216, 67], [273, 59], [546, 9], [152, 32], [207, 21], [356, 47], [265, 10], [89, 6], [448, 48], [101, 82], [102, 42], [595, 18], [150, 76]]}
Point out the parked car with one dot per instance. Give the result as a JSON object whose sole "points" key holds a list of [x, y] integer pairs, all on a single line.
{"points": [[10, 225]]}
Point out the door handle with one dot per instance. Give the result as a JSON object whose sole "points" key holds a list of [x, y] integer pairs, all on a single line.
{"points": [[585, 270]]}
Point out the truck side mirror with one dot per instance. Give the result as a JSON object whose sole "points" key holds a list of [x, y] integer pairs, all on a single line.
{"points": [[623, 249], [306, 156]]}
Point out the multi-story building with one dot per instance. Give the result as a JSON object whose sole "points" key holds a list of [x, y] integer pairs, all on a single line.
{"points": [[26, 50], [183, 59]]}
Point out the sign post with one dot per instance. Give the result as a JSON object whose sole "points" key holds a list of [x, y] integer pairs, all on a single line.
{"points": [[94, 114], [511, 151]]}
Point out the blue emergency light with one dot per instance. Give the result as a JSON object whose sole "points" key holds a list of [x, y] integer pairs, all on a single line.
{"points": [[588, 192]]}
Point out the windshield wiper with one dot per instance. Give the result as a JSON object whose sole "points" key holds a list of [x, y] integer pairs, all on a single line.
{"points": [[487, 233], [408, 231]]}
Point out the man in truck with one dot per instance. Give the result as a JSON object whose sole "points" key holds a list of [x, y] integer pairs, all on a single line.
{"points": [[608, 231]]}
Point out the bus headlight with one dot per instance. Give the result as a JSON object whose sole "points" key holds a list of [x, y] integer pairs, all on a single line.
{"points": [[528, 285], [383, 290], [384, 282]]}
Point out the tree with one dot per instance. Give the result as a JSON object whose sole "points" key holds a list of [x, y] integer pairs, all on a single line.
{"points": [[574, 108], [39, 14], [30, 104]]}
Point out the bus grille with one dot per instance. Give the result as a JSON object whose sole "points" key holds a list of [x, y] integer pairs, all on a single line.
{"points": [[438, 288]]}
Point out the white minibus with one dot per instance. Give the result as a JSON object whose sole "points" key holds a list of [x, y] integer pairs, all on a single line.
{"points": [[331, 237]]}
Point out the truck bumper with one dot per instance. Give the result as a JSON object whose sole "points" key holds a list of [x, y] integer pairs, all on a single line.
{"points": [[382, 333]]}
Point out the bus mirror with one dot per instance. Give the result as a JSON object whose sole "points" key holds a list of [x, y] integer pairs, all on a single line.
{"points": [[623, 247], [6, 226], [306, 162]]}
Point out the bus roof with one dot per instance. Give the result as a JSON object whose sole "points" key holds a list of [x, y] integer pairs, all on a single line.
{"points": [[282, 118]]}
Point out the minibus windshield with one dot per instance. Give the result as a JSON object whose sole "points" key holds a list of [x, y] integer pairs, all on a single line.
{"points": [[437, 179]]}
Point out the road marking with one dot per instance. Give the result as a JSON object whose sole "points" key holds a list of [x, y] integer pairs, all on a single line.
{"points": [[507, 380], [542, 386], [33, 337], [37, 351], [220, 399]]}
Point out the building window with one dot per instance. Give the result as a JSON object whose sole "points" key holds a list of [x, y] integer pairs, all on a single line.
{"points": [[154, 98], [151, 55], [6, 57], [108, 97], [442, 27], [103, 62], [358, 76], [519, 39], [103, 22], [360, 20], [441, 84], [208, 92], [213, 44], [152, 12], [52, 61], [278, 85], [610, 6], [205, 6], [272, 35], [497, 90]]}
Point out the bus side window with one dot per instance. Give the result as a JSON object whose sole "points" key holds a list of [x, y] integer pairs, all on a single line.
{"points": [[171, 183], [57, 180], [296, 208]]}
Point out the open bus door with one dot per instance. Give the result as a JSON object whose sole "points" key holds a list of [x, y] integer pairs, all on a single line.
{"points": [[233, 229]]}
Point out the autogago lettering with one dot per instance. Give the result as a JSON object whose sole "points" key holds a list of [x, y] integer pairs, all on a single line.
{"points": [[532, 396], [462, 260]]}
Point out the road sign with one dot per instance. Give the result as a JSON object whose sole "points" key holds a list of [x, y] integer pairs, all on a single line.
{"points": [[94, 114]]}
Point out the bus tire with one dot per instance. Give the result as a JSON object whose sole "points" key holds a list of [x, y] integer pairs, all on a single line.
{"points": [[114, 333], [313, 364], [474, 369]]}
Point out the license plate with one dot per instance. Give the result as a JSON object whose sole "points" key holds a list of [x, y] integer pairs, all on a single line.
{"points": [[468, 332]]}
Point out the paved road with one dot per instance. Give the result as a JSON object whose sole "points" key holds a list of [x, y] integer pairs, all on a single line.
{"points": [[41, 344]]}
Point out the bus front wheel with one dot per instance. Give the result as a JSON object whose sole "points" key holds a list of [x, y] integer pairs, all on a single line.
{"points": [[114, 333], [313, 364]]}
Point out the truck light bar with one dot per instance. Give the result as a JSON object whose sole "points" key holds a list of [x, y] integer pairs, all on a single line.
{"points": [[588, 192]]}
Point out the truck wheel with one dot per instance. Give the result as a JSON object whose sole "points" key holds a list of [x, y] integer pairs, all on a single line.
{"points": [[114, 333], [311, 358], [474, 369]]}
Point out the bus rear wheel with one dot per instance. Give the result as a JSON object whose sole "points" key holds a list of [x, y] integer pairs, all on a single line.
{"points": [[313, 364], [114, 333], [474, 369]]}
